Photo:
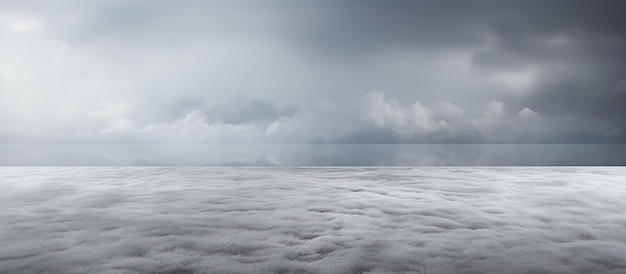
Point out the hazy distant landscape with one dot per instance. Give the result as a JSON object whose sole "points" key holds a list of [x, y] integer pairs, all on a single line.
{"points": [[313, 220]]}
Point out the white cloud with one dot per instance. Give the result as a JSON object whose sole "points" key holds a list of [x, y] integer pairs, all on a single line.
{"points": [[406, 121], [496, 124], [493, 115], [19, 21], [277, 127], [194, 126], [527, 114], [112, 112], [312, 220], [119, 127]]}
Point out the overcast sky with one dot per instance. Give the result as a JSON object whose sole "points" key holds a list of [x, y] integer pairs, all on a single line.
{"points": [[349, 72]]}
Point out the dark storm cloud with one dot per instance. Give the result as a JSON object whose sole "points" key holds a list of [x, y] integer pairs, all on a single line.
{"points": [[348, 72], [578, 48]]}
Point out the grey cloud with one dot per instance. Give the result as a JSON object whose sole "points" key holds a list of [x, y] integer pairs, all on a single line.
{"points": [[602, 103], [288, 72], [230, 110], [576, 48], [246, 110]]}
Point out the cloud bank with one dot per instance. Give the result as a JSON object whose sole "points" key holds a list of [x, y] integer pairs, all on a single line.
{"points": [[316, 220]]}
